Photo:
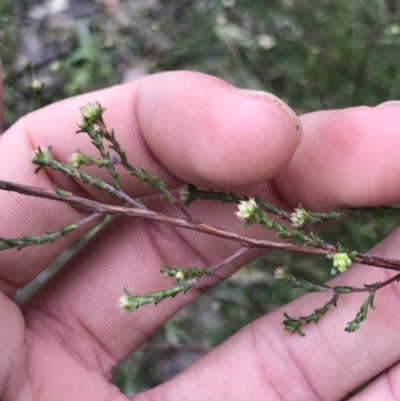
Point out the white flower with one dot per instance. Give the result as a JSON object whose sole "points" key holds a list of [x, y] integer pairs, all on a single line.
{"points": [[126, 304], [246, 209], [184, 192], [298, 217], [281, 273], [179, 276], [77, 159]]}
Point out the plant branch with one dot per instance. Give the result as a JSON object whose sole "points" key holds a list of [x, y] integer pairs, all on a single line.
{"points": [[283, 274], [301, 229], [97, 207], [144, 177], [50, 236], [292, 325], [190, 193], [93, 124], [42, 157], [185, 279], [245, 248]]}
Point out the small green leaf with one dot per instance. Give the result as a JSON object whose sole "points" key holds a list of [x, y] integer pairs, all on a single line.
{"points": [[62, 191], [342, 289], [361, 314], [168, 198]]}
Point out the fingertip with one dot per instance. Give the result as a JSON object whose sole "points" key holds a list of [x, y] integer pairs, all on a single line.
{"points": [[389, 104], [348, 158], [207, 132], [281, 107]]}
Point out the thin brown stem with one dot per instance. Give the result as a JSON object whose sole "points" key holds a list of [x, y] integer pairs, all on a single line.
{"points": [[124, 196], [242, 250], [88, 219], [337, 291], [378, 286], [101, 208], [179, 205]]}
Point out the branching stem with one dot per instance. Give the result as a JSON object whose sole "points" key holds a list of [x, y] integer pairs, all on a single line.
{"points": [[166, 192], [242, 250], [97, 207]]}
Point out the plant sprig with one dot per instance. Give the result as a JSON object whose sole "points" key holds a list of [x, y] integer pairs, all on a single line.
{"points": [[49, 236], [300, 234], [299, 217], [184, 280], [42, 157], [291, 325], [93, 124], [251, 213]]}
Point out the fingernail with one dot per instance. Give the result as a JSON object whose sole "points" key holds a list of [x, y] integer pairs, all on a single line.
{"points": [[279, 104], [389, 103]]}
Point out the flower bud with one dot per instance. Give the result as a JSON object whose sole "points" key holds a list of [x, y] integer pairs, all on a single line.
{"points": [[341, 261], [247, 209], [126, 304], [92, 111], [281, 273], [179, 275], [77, 159], [298, 217]]}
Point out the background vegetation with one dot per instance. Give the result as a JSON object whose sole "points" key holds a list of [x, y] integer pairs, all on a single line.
{"points": [[313, 54]]}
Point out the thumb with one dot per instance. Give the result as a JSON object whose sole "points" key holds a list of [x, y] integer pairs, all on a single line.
{"points": [[195, 126], [205, 131]]}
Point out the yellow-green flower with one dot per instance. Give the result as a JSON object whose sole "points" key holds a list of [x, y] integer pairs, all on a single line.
{"points": [[341, 261], [92, 111]]}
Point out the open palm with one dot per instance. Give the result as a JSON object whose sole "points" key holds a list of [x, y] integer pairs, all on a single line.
{"points": [[64, 341]]}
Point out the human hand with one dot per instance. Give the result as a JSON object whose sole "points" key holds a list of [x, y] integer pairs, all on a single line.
{"points": [[64, 341]]}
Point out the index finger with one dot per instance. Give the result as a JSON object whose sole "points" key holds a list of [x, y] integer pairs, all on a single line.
{"points": [[260, 361], [180, 125]]}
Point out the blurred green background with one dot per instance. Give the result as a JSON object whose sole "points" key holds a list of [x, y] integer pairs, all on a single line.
{"points": [[312, 54]]}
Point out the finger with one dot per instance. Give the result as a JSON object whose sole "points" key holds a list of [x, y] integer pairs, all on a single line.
{"points": [[262, 362], [347, 158], [384, 387], [179, 125], [110, 264], [329, 363]]}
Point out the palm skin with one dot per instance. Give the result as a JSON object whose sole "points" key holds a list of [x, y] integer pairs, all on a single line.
{"points": [[64, 341]]}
